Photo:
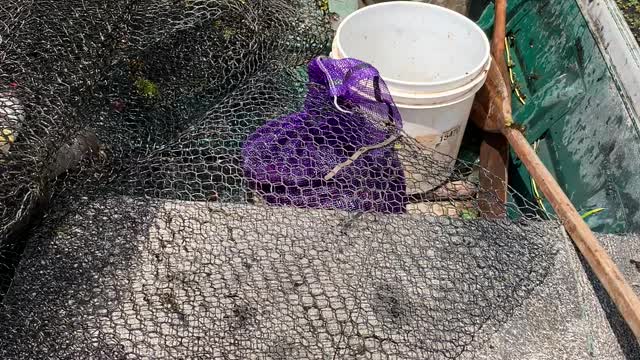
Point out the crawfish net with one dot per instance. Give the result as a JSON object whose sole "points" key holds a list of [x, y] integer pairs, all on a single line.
{"points": [[191, 179]]}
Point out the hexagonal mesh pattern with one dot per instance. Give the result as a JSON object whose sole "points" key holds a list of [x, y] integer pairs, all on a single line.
{"points": [[189, 180]]}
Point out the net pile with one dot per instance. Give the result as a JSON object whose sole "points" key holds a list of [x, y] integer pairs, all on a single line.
{"points": [[187, 179]]}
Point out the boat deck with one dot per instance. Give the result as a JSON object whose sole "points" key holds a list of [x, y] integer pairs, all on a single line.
{"points": [[247, 287], [570, 316]]}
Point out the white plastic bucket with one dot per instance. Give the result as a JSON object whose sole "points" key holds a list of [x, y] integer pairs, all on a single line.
{"points": [[432, 59]]}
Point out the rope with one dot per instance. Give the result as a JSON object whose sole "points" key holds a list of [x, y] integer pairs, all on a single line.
{"points": [[357, 154]]}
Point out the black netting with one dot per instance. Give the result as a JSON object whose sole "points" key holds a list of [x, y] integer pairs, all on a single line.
{"points": [[177, 184]]}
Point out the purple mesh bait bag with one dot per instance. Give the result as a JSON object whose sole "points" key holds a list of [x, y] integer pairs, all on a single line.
{"points": [[302, 159]]}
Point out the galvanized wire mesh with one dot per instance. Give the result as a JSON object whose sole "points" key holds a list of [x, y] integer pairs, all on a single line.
{"points": [[129, 228]]}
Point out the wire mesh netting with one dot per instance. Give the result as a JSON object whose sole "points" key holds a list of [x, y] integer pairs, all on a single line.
{"points": [[189, 179]]}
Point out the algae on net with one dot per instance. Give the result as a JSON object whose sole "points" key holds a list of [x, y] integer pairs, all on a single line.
{"points": [[631, 10]]}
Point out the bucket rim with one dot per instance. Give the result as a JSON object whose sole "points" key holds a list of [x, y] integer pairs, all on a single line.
{"points": [[452, 102], [477, 69], [453, 94]]}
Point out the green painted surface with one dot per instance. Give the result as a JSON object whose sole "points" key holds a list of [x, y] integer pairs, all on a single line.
{"points": [[343, 7], [585, 135]]}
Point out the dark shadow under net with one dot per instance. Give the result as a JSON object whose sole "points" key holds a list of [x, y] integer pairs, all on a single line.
{"points": [[139, 218]]}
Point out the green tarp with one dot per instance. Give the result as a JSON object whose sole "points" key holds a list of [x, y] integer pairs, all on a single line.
{"points": [[575, 112]]}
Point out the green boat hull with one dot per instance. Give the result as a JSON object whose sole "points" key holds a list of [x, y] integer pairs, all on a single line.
{"points": [[579, 110]]}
